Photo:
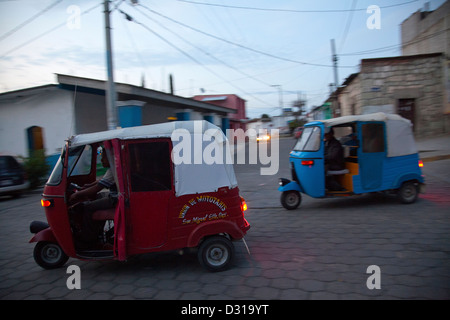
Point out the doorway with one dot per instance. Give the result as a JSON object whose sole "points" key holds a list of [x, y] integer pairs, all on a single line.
{"points": [[406, 109], [35, 139]]}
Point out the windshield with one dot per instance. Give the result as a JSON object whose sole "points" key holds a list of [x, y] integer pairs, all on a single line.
{"points": [[309, 140], [79, 163]]}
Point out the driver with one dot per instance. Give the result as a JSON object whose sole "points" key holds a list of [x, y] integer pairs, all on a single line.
{"points": [[334, 159], [334, 153], [91, 228]]}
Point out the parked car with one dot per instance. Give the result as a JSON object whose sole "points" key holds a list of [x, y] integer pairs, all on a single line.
{"points": [[13, 179]]}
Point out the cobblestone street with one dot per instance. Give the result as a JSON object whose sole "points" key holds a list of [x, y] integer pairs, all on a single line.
{"points": [[319, 251]]}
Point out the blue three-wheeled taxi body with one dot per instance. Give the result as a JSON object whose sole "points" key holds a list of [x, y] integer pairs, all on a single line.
{"points": [[379, 155]]}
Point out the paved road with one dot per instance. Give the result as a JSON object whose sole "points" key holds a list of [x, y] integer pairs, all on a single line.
{"points": [[320, 251]]}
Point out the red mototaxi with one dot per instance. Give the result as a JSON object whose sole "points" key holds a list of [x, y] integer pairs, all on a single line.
{"points": [[161, 206]]}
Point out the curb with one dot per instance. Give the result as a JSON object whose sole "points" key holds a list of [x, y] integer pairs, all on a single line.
{"points": [[436, 158]]}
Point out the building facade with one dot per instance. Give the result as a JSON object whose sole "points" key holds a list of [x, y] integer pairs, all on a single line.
{"points": [[43, 117], [426, 32], [411, 86], [231, 101]]}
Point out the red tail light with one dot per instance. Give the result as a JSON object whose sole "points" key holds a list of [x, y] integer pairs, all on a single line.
{"points": [[307, 162], [243, 205], [420, 164], [46, 203]]}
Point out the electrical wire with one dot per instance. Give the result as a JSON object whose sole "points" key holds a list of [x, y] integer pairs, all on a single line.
{"points": [[291, 10], [45, 33], [238, 44], [395, 46], [23, 24], [130, 18], [205, 52], [347, 26]]}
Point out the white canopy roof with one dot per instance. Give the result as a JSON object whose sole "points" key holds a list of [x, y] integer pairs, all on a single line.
{"points": [[161, 130], [194, 174], [400, 138], [379, 116]]}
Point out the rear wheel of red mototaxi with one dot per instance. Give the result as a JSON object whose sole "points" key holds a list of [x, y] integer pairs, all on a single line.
{"points": [[216, 253], [49, 255]]}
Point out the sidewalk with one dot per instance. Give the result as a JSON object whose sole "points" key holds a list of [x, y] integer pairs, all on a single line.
{"points": [[434, 148]]}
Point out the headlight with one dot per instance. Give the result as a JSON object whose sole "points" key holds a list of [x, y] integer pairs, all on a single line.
{"points": [[283, 181]]}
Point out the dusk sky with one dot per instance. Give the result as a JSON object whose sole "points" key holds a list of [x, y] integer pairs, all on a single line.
{"points": [[251, 48]]}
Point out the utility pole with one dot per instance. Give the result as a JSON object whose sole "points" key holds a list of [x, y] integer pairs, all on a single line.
{"points": [[336, 108], [280, 96], [111, 97], [334, 58]]}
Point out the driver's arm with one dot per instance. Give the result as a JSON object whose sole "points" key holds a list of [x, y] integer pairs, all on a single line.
{"points": [[86, 193]]}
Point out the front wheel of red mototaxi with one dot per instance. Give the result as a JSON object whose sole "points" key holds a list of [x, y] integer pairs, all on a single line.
{"points": [[49, 255]]}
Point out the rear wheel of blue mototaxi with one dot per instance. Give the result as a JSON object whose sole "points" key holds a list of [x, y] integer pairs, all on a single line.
{"points": [[49, 255], [291, 199], [408, 192]]}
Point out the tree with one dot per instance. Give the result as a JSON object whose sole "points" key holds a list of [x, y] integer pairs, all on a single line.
{"points": [[36, 168], [265, 118]]}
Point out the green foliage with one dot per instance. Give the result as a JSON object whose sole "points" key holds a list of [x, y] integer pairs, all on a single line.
{"points": [[37, 168], [296, 123]]}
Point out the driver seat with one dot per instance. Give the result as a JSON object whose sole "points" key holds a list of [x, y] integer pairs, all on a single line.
{"points": [[102, 215]]}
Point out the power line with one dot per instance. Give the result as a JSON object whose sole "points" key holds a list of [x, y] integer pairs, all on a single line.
{"points": [[290, 10], [347, 26], [205, 52], [23, 24], [395, 46], [238, 44], [45, 33], [130, 18]]}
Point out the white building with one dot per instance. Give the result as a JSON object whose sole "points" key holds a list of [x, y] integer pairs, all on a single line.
{"points": [[43, 117]]}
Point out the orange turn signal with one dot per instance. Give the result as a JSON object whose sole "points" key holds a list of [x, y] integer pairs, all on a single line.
{"points": [[420, 164]]}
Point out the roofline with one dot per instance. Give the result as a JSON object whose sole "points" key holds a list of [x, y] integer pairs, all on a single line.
{"points": [[129, 89], [411, 57], [28, 90], [219, 95], [377, 116]]}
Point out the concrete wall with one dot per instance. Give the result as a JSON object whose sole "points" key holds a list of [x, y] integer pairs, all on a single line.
{"points": [[51, 110], [385, 81], [350, 98], [427, 32]]}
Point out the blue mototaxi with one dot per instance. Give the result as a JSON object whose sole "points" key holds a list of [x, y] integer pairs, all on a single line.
{"points": [[379, 155]]}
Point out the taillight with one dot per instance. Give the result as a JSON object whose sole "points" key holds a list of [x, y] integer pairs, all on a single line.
{"points": [[243, 205], [307, 162], [46, 203], [420, 164]]}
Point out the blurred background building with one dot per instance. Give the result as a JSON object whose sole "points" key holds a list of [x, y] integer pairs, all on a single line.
{"points": [[415, 85], [230, 101], [43, 117]]}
